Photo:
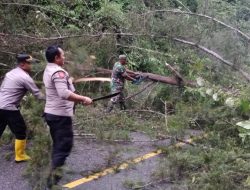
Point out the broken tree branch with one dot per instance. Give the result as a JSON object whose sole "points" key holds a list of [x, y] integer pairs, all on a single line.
{"points": [[183, 5], [208, 51], [176, 73], [142, 90], [214, 54], [153, 77], [245, 36], [147, 50], [41, 8]]}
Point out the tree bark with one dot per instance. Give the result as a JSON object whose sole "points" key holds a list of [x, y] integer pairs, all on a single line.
{"points": [[154, 77]]}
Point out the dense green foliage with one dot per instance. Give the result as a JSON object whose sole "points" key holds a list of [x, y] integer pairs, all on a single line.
{"points": [[150, 33]]}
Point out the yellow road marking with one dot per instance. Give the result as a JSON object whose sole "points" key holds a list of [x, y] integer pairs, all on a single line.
{"points": [[112, 169], [122, 166]]}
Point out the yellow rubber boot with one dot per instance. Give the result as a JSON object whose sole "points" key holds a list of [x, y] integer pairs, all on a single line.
{"points": [[20, 146]]}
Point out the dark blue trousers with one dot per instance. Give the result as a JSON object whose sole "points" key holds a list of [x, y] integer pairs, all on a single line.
{"points": [[62, 135]]}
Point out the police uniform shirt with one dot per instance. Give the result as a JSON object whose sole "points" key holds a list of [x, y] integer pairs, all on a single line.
{"points": [[14, 86], [58, 88]]}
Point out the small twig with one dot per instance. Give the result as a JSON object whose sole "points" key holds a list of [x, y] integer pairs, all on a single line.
{"points": [[151, 90], [110, 58], [131, 96], [183, 141], [133, 141], [150, 111], [166, 116], [53, 24], [184, 6], [144, 49], [229, 123], [84, 134], [152, 183], [176, 73], [7, 52], [4, 65], [41, 8], [177, 139], [198, 125], [37, 73]]}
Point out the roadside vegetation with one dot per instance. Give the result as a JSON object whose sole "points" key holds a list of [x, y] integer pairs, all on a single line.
{"points": [[206, 41]]}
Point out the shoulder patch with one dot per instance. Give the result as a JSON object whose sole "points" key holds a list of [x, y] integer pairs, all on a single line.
{"points": [[61, 74]]}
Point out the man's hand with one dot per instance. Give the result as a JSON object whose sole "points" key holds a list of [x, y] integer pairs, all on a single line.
{"points": [[136, 81], [86, 101], [71, 79], [138, 73]]}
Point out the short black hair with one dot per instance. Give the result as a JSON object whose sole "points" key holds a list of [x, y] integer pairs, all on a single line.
{"points": [[23, 57], [51, 53]]}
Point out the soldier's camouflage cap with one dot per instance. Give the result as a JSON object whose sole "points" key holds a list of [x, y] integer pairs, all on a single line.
{"points": [[122, 57]]}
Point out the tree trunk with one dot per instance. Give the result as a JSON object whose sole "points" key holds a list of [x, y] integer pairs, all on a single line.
{"points": [[174, 80]]}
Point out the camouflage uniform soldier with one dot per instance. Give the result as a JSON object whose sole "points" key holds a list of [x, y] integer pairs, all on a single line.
{"points": [[118, 77]]}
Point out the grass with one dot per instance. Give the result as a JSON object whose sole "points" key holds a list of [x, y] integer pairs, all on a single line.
{"points": [[91, 119], [219, 161], [215, 162], [132, 184], [7, 137], [116, 125]]}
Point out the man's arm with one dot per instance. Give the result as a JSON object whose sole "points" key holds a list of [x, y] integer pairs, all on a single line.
{"points": [[31, 87], [123, 72], [127, 77], [80, 99], [61, 85]]}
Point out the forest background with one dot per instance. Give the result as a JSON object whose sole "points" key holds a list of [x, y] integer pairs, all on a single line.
{"points": [[207, 41]]}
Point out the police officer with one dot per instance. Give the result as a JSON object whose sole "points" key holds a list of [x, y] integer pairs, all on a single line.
{"points": [[119, 74], [60, 99], [14, 86]]}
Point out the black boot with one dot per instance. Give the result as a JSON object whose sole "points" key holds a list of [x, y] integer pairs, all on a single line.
{"points": [[122, 106], [110, 107], [54, 177]]}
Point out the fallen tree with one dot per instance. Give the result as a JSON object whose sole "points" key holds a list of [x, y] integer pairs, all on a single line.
{"points": [[177, 79]]}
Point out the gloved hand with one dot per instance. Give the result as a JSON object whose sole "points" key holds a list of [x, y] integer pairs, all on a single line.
{"points": [[137, 80]]}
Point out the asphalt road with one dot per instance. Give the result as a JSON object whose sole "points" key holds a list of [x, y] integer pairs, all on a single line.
{"points": [[11, 173], [89, 157]]}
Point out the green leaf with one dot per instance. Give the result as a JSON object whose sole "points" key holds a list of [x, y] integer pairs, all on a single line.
{"points": [[243, 135], [244, 124], [247, 182], [73, 27]]}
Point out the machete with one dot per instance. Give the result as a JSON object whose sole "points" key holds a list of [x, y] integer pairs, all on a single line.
{"points": [[105, 97]]}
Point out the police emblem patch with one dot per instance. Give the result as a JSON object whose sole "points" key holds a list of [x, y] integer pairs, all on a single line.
{"points": [[61, 74]]}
